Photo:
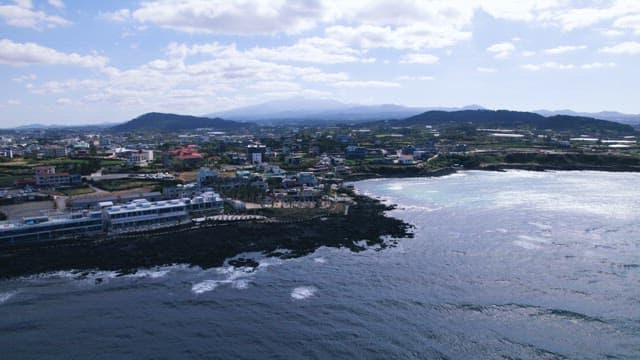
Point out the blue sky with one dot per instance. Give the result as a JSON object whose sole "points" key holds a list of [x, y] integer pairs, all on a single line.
{"points": [[80, 62]]}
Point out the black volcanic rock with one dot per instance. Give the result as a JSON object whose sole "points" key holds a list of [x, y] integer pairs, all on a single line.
{"points": [[365, 225], [173, 122]]}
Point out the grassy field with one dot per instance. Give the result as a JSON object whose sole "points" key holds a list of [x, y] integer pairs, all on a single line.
{"points": [[79, 190], [8, 180], [124, 184]]}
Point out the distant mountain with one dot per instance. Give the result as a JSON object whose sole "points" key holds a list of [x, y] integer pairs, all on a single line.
{"points": [[281, 109], [515, 119], [173, 122], [321, 110], [59, 126], [604, 115], [35, 126]]}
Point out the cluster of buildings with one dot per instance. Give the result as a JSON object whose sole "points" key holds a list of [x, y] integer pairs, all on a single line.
{"points": [[111, 219], [37, 146]]}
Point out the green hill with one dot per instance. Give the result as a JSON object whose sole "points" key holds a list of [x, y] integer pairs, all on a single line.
{"points": [[515, 120], [173, 122]]}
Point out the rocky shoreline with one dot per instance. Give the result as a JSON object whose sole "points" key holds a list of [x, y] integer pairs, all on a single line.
{"points": [[364, 225]]}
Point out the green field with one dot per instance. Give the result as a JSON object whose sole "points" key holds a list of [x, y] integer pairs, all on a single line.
{"points": [[80, 190]]}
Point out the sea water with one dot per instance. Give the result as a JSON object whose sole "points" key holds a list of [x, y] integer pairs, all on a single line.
{"points": [[503, 265]]}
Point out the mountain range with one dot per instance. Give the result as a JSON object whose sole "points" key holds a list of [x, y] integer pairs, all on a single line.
{"points": [[309, 111], [513, 120], [321, 110], [160, 122]]}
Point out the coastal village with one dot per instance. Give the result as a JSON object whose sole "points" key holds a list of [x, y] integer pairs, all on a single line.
{"points": [[110, 182]]}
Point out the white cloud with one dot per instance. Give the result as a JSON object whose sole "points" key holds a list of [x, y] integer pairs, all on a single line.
{"points": [[120, 15], [176, 85], [419, 59], [612, 32], [526, 11], [570, 17], [486, 69], [414, 78], [25, 78], [548, 65], [64, 101], [631, 22], [230, 17], [416, 37], [558, 66], [564, 49], [311, 50], [277, 86], [20, 54], [502, 50], [598, 65], [56, 3], [13, 102], [566, 14], [442, 22], [22, 14], [528, 53], [403, 24], [628, 47], [365, 84]]}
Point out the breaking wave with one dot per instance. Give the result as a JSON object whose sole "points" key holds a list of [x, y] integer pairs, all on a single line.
{"points": [[303, 292]]}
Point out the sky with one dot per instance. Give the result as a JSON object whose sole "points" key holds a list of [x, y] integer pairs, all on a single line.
{"points": [[84, 62]]}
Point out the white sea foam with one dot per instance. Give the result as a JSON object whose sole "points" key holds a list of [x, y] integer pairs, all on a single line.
{"points": [[161, 271], [5, 296], [535, 239], [421, 208], [148, 273], [237, 277], [240, 284], [530, 242], [395, 187], [320, 260], [267, 262], [303, 292], [204, 286], [526, 245], [83, 277], [541, 226]]}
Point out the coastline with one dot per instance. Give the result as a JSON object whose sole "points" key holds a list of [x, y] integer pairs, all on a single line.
{"points": [[398, 172], [293, 234], [213, 245]]}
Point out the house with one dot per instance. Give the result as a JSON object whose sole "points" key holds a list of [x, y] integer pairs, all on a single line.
{"points": [[307, 178], [255, 153], [46, 176], [406, 160], [54, 151], [272, 170], [293, 159], [6, 153], [185, 157], [355, 152], [206, 176], [139, 158]]}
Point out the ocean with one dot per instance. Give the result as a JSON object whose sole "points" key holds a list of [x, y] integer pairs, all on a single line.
{"points": [[514, 265]]}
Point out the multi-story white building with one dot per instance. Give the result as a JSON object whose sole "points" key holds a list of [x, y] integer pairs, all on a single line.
{"points": [[136, 216]]}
